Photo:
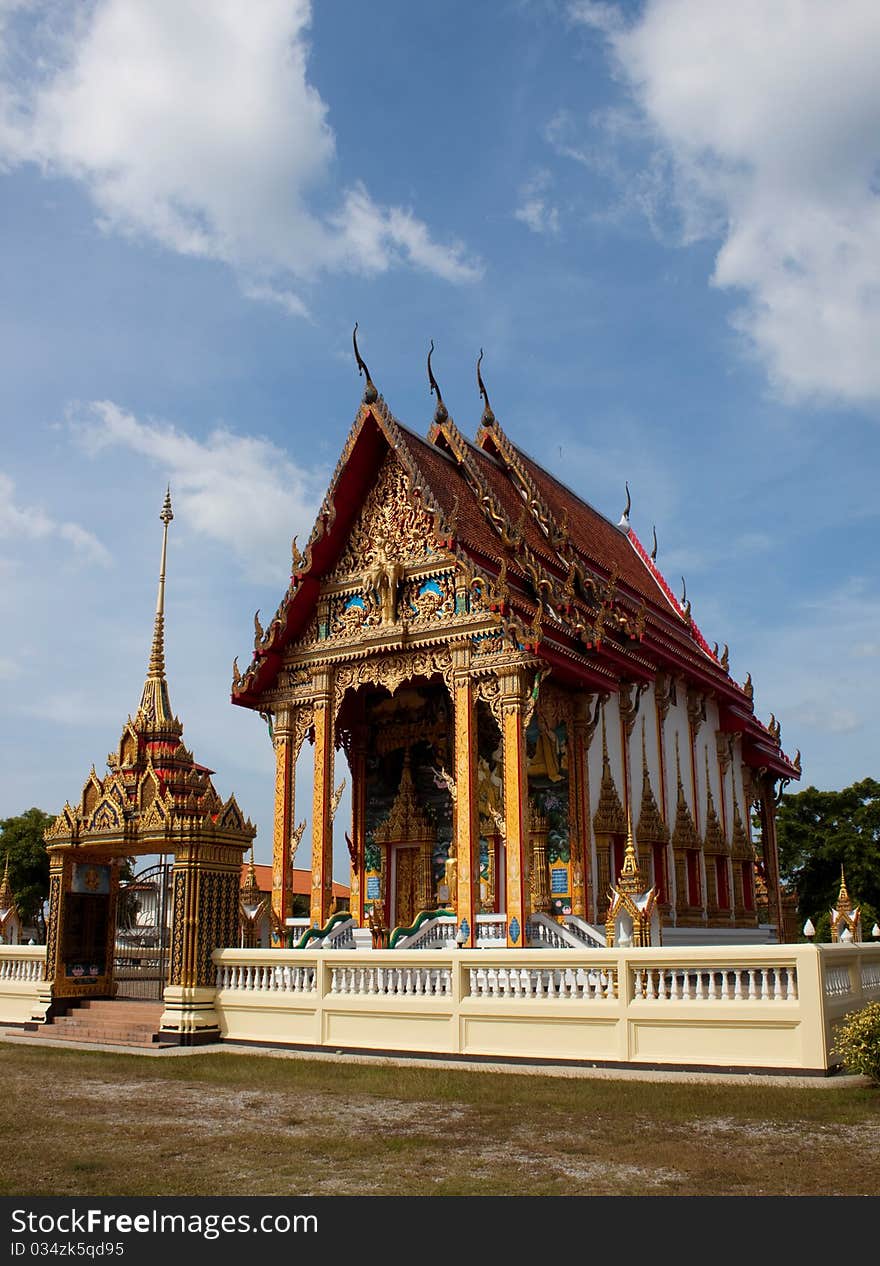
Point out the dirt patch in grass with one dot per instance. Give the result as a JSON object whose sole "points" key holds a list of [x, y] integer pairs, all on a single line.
{"points": [[86, 1123]]}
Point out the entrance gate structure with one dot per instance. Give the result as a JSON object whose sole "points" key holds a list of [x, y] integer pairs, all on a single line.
{"points": [[155, 799]]}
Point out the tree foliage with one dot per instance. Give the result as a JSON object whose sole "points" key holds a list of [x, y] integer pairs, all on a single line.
{"points": [[820, 831], [21, 840]]}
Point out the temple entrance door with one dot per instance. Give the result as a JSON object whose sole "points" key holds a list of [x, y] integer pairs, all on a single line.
{"points": [[143, 933], [406, 877]]}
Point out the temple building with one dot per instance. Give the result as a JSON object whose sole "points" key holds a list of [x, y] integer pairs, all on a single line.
{"points": [[511, 680]]}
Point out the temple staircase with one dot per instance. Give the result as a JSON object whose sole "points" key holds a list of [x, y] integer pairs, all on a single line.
{"points": [[106, 1022], [545, 933]]}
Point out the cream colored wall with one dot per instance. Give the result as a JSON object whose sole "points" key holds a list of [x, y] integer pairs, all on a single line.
{"points": [[628, 1023], [779, 1032], [21, 976]]}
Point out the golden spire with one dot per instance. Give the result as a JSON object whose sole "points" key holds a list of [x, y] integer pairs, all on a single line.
{"points": [[651, 827], [844, 905], [154, 700], [7, 898], [251, 871], [631, 879]]}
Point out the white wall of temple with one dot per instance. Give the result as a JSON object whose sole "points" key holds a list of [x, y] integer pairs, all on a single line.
{"points": [[663, 774], [677, 724]]}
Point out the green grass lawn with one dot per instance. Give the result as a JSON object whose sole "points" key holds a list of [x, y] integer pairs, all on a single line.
{"points": [[94, 1123]]}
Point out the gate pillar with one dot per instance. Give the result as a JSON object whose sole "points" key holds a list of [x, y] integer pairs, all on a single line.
{"points": [[204, 916]]}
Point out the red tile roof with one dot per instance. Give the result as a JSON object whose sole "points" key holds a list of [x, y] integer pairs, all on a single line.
{"points": [[302, 881]]}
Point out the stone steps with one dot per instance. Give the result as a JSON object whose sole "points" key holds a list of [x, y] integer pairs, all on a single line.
{"points": [[109, 1022]]}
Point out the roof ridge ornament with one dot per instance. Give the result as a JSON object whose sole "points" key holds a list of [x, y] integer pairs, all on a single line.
{"points": [[371, 395], [441, 413], [488, 415], [654, 546], [624, 518]]}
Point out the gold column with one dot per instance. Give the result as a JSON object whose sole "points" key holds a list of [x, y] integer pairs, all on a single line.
{"points": [[426, 882], [358, 821], [205, 909], [539, 880], [467, 836], [57, 879], [285, 791], [516, 802], [322, 823], [582, 734]]}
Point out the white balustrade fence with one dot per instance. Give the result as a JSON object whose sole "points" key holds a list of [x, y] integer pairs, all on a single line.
{"points": [[22, 969], [837, 981], [721, 984], [284, 978], [524, 982], [491, 929], [750, 1007], [22, 991], [391, 981]]}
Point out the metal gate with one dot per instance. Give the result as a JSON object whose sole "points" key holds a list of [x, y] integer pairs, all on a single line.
{"points": [[140, 964]]}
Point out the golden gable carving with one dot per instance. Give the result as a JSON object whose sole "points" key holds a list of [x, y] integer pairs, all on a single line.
{"points": [[390, 524]]}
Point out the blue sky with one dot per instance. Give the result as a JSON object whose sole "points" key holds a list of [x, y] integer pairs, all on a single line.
{"points": [[660, 221]]}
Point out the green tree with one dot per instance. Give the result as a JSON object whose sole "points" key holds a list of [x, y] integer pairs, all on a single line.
{"points": [[21, 840], [820, 831]]}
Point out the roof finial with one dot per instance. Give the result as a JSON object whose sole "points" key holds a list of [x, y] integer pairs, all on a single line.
{"points": [[7, 896], [686, 606], [843, 900], [488, 415], [654, 546], [154, 700], [440, 413], [624, 518], [371, 395]]}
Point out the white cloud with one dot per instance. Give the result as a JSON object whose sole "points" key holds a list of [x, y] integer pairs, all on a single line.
{"points": [[240, 490], [33, 523], [196, 126], [284, 299], [535, 210], [768, 116]]}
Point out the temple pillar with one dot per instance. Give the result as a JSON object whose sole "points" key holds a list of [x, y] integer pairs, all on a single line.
{"points": [[539, 878], [516, 802], [285, 792], [581, 737], [358, 764], [205, 887], [322, 802], [767, 810], [467, 835]]}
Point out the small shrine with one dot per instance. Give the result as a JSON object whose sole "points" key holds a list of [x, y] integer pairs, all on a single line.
{"points": [[633, 916], [11, 926], [154, 799], [846, 921]]}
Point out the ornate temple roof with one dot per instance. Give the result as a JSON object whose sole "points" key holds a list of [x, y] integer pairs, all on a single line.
{"points": [[562, 578], [154, 788]]}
